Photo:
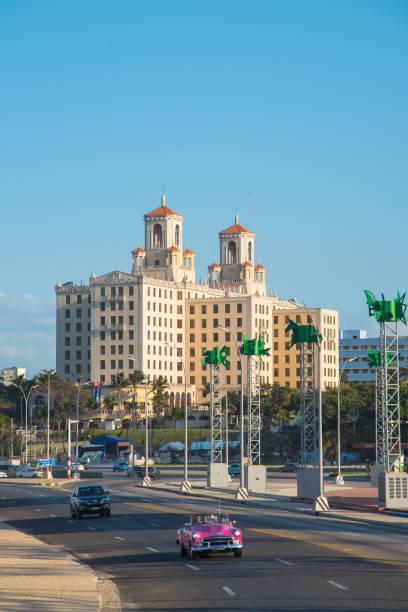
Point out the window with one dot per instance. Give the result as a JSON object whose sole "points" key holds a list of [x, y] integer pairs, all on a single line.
{"points": [[67, 299], [113, 350], [102, 291], [215, 322], [227, 308], [67, 314], [113, 290], [192, 380], [192, 310], [192, 323], [192, 352], [179, 366], [113, 364], [79, 313], [102, 306], [203, 323], [215, 308], [179, 323], [287, 345], [131, 320], [179, 295], [276, 372], [239, 380], [179, 309], [79, 299], [192, 337], [67, 355], [203, 337], [102, 334], [286, 358], [78, 368], [131, 349], [287, 372], [103, 349], [275, 346], [120, 364], [179, 337], [203, 309], [78, 340], [239, 336], [67, 369], [130, 291], [78, 355], [227, 337], [131, 334], [120, 349], [120, 290], [203, 380], [239, 322], [67, 327], [228, 379], [239, 364], [227, 322], [275, 320], [215, 337], [131, 366], [113, 335], [102, 321], [239, 307]]}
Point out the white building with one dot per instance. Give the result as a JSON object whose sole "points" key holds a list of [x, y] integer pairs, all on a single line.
{"points": [[7, 375]]}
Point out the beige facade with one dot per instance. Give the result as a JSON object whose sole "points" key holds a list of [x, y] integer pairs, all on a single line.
{"points": [[125, 321]]}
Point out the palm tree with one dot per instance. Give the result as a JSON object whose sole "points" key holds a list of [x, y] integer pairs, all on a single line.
{"points": [[109, 403], [136, 378], [119, 383], [160, 399]]}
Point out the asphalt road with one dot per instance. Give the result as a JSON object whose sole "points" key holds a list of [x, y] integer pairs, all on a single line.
{"points": [[290, 562]]}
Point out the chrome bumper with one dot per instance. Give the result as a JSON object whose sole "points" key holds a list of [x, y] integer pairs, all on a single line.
{"points": [[207, 547]]}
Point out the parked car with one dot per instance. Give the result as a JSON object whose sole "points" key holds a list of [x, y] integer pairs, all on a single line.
{"points": [[28, 472], [209, 533], [77, 467], [289, 467], [121, 466], [90, 499], [139, 471], [234, 469], [3, 474]]}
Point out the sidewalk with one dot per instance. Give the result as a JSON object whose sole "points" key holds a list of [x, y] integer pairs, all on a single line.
{"points": [[36, 577]]}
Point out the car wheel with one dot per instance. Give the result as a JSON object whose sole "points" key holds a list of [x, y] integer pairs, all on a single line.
{"points": [[193, 554], [79, 515], [238, 552], [108, 513]]}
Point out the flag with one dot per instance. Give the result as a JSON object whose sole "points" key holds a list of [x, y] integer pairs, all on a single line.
{"points": [[226, 294], [97, 391]]}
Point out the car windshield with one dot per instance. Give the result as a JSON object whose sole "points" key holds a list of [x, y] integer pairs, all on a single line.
{"points": [[209, 519], [89, 491]]}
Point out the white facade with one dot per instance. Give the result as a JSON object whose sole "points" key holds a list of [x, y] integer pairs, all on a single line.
{"points": [[7, 375]]}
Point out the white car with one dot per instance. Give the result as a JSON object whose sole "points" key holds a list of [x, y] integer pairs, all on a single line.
{"points": [[3, 475], [28, 473]]}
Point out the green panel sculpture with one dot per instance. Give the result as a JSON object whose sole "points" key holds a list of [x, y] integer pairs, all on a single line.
{"points": [[215, 356], [303, 333], [254, 346], [374, 358], [386, 311]]}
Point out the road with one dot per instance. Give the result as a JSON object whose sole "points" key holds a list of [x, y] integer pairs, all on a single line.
{"points": [[290, 562]]}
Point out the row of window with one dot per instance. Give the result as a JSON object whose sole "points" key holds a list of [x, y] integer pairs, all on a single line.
{"points": [[116, 306], [78, 327], [215, 323], [78, 341], [215, 337], [78, 369], [78, 355], [78, 313], [117, 349], [215, 307], [79, 300]]}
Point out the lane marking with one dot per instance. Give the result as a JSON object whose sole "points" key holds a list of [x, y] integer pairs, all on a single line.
{"points": [[92, 528], [53, 515], [69, 521], [152, 549], [228, 590], [193, 567], [284, 561], [29, 492], [118, 538], [4, 498], [352, 533], [337, 585], [154, 524], [42, 495], [37, 510]]}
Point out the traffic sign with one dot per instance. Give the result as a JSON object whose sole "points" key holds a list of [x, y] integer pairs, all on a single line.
{"points": [[46, 462]]}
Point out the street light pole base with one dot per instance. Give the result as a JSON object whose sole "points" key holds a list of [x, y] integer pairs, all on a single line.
{"points": [[321, 504], [229, 479], [185, 486], [339, 480], [146, 481], [241, 494]]}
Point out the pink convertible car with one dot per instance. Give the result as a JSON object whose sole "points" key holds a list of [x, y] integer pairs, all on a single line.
{"points": [[209, 533]]}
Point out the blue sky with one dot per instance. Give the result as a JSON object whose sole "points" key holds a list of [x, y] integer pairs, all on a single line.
{"points": [[294, 113]]}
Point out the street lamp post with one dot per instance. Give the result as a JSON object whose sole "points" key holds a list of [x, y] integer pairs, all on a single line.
{"points": [[50, 373], [26, 398], [339, 477], [185, 485], [146, 479], [78, 384], [242, 493]]}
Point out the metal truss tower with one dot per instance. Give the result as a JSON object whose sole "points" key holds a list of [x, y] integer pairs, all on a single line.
{"points": [[380, 429], [389, 416], [216, 415], [308, 412], [254, 409]]}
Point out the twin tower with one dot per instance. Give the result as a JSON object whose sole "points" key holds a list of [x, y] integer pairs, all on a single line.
{"points": [[164, 258]]}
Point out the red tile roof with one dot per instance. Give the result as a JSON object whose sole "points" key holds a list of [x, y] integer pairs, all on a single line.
{"points": [[246, 263], [259, 266], [214, 265], [139, 250], [188, 252], [162, 210], [173, 248], [236, 229]]}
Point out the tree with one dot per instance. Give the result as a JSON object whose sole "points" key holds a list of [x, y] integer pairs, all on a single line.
{"points": [[109, 403], [119, 382], [176, 413], [136, 378], [160, 397]]}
